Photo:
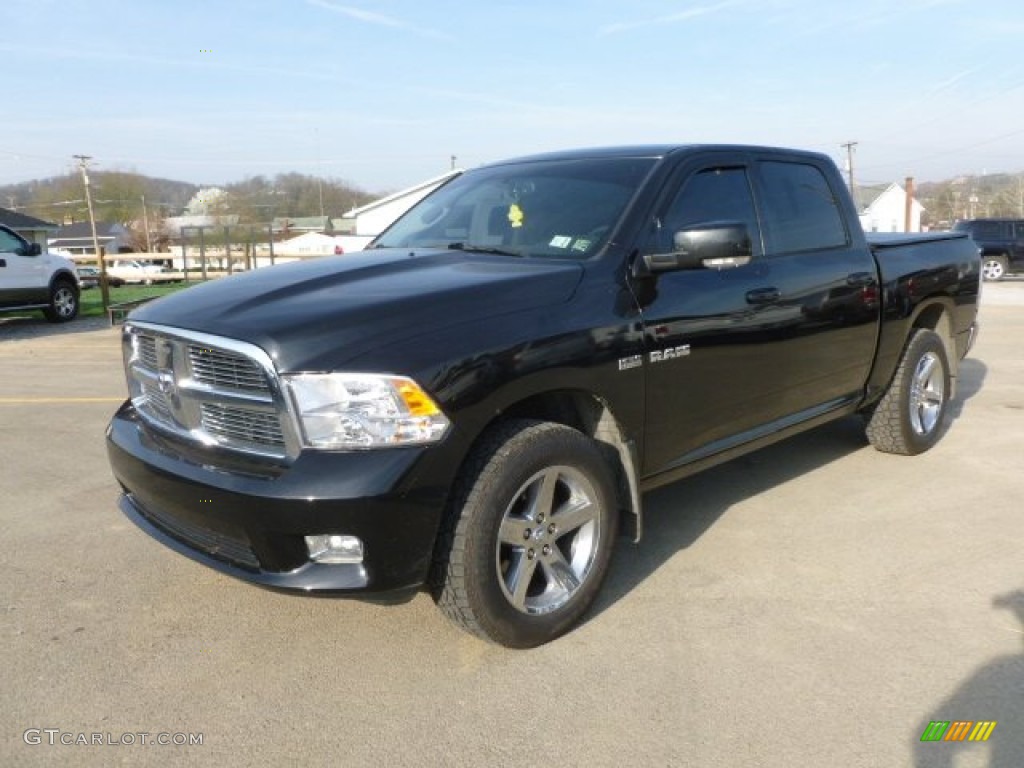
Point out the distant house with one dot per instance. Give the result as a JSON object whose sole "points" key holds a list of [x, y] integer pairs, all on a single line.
{"points": [[297, 225], [306, 246], [173, 225], [372, 219], [76, 239], [882, 208], [32, 229]]}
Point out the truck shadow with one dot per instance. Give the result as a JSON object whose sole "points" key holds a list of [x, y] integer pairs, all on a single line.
{"points": [[677, 515], [991, 694], [969, 383]]}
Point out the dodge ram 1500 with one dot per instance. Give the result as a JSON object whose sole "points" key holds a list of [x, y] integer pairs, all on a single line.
{"points": [[476, 404]]}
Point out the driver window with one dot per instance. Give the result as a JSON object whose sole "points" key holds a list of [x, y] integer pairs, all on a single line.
{"points": [[714, 194], [8, 242]]}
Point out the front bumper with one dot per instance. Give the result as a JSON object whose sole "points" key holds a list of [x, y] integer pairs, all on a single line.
{"points": [[251, 521]]}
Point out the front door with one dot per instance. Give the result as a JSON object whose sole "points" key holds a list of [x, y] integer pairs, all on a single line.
{"points": [[711, 367], [22, 278]]}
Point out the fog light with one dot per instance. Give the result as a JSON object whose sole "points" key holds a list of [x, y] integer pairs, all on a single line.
{"points": [[333, 549]]}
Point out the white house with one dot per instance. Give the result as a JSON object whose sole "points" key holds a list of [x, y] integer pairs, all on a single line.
{"points": [[372, 219], [306, 246], [883, 209]]}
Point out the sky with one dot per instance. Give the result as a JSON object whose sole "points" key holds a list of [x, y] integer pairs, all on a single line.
{"points": [[383, 93]]}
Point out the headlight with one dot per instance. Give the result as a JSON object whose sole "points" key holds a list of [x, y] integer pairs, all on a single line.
{"points": [[344, 411]]}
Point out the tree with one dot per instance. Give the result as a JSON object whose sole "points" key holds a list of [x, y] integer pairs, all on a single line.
{"points": [[57, 199], [257, 199]]}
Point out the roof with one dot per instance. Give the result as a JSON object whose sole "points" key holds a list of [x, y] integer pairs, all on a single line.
{"points": [[16, 220], [865, 196], [659, 151], [82, 229], [301, 222], [436, 181]]}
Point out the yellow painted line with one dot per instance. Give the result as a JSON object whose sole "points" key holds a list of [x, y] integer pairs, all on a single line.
{"points": [[45, 400]]}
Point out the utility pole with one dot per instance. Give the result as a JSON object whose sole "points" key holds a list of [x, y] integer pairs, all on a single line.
{"points": [[849, 147], [908, 212], [104, 289], [145, 218]]}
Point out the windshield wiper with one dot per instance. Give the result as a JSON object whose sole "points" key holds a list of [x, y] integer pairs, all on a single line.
{"points": [[471, 248]]}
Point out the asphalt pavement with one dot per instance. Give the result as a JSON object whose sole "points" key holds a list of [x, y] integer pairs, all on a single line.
{"points": [[813, 604]]}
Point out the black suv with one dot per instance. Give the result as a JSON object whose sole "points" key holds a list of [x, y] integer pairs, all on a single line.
{"points": [[1001, 242]]}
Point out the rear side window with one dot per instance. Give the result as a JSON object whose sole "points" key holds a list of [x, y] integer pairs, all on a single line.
{"points": [[801, 213], [989, 230]]}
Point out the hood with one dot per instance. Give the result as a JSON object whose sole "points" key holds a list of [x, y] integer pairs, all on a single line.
{"points": [[319, 314]]}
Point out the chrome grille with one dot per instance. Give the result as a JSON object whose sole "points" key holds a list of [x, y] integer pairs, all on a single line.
{"points": [[157, 401], [220, 368], [147, 352], [242, 424], [208, 390]]}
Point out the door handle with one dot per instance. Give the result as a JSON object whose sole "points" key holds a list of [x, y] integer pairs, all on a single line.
{"points": [[763, 295], [3, 262], [860, 279]]}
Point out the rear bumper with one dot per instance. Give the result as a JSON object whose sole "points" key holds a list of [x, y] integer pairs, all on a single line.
{"points": [[252, 525]]}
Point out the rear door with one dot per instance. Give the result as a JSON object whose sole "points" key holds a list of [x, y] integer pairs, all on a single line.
{"points": [[827, 275], [1017, 230]]}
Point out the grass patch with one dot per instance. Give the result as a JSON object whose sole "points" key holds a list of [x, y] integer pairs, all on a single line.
{"points": [[91, 301]]}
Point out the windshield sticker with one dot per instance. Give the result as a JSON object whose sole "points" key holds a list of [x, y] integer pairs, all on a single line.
{"points": [[560, 241], [581, 245], [515, 216]]}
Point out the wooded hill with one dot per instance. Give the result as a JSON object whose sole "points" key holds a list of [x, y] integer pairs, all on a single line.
{"points": [[120, 196]]}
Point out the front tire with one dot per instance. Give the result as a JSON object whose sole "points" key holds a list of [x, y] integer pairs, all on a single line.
{"points": [[993, 268], [530, 536], [63, 302], [910, 416]]}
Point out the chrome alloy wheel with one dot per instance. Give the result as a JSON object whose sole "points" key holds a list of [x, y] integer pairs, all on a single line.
{"points": [[928, 389], [64, 302], [548, 540], [993, 269]]}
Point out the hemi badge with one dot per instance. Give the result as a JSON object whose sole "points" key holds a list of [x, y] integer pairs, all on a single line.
{"points": [[634, 361]]}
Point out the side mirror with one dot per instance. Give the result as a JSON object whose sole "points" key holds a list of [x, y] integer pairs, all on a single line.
{"points": [[713, 245], [29, 249]]}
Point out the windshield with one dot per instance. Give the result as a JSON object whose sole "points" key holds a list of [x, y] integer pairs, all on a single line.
{"points": [[554, 208]]}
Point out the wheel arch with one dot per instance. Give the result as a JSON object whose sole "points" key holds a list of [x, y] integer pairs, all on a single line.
{"points": [[936, 316], [592, 415], [64, 275]]}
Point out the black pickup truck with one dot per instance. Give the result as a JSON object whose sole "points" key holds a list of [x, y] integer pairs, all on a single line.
{"points": [[476, 404]]}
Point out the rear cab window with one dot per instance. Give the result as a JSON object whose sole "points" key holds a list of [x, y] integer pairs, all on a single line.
{"points": [[801, 210]]}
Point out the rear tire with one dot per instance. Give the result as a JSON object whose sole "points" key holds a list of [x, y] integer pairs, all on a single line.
{"points": [[63, 301], [993, 268], [530, 535], [910, 417]]}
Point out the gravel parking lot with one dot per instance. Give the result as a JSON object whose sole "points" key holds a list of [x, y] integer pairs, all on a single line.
{"points": [[814, 604]]}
